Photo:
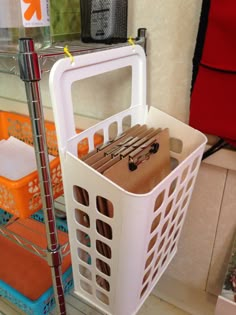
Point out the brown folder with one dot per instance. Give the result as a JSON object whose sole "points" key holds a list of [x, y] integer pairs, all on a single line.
{"points": [[124, 151], [144, 168], [107, 148]]}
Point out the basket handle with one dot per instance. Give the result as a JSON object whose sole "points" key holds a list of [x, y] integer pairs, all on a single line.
{"points": [[64, 73]]}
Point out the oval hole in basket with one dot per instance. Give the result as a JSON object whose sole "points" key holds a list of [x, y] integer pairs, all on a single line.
{"points": [[103, 283], [157, 261], [176, 234], [102, 297], [86, 287], [82, 147], [167, 246], [98, 138], [161, 244], [171, 230], [159, 200], [84, 256], [83, 238], [164, 260], [180, 193], [172, 248], [113, 130], [172, 187], [144, 290], [103, 249], [105, 206], [126, 123], [189, 185], [152, 242], [164, 227], [155, 273], [185, 202], [184, 174], [103, 267], [176, 145], [147, 274], [81, 195], [195, 164], [168, 208], [149, 260], [82, 218], [85, 272], [104, 229], [155, 223], [175, 214]]}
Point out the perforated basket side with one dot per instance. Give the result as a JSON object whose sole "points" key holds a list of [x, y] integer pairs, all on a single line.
{"points": [[145, 228]]}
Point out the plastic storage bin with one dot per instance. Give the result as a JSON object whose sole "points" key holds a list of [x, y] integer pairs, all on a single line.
{"points": [[145, 227], [46, 302], [44, 305], [22, 197], [61, 224]]}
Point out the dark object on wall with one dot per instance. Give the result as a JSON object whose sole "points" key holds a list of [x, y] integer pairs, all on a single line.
{"points": [[104, 21], [213, 98]]}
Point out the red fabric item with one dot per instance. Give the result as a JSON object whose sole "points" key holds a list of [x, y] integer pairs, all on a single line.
{"points": [[213, 99], [213, 103], [220, 41]]}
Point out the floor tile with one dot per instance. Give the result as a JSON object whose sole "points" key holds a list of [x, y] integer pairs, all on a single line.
{"points": [[155, 306]]}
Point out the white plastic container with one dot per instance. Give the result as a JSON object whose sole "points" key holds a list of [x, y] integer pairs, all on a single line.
{"points": [[21, 19], [144, 235]]}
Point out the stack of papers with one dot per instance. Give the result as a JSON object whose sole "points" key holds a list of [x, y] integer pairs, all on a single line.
{"points": [[17, 159]]}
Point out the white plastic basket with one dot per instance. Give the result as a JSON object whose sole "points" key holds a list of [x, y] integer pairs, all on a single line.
{"points": [[144, 235]]}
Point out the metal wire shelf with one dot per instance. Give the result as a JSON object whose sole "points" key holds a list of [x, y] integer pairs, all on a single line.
{"points": [[47, 57], [27, 243]]}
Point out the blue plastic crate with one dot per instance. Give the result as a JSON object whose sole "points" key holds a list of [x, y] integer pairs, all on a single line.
{"points": [[4, 217], [38, 216], [46, 302], [60, 223], [42, 306]]}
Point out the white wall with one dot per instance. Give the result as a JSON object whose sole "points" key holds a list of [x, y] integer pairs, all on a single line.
{"points": [[171, 28]]}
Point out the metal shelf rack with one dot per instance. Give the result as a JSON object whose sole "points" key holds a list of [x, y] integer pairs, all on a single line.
{"points": [[26, 243], [30, 65]]}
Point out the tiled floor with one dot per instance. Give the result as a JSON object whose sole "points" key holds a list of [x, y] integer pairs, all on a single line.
{"points": [[153, 306]]}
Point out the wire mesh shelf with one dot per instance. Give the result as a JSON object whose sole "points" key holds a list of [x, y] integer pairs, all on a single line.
{"points": [[31, 235]]}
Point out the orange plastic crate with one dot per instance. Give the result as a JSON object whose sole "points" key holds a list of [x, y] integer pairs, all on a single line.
{"points": [[22, 197]]}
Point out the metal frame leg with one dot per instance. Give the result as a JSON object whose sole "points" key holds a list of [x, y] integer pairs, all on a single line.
{"points": [[30, 73]]}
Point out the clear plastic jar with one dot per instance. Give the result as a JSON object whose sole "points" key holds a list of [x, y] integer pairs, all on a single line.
{"points": [[21, 18]]}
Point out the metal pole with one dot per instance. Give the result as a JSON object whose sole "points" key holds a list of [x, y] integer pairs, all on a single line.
{"points": [[30, 73]]}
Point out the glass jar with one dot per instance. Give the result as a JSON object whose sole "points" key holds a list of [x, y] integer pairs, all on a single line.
{"points": [[21, 18]]}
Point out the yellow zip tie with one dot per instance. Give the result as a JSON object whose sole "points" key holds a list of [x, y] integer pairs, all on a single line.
{"points": [[66, 51], [131, 41]]}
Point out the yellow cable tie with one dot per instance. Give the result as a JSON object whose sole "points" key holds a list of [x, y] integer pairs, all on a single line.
{"points": [[68, 54], [131, 41]]}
